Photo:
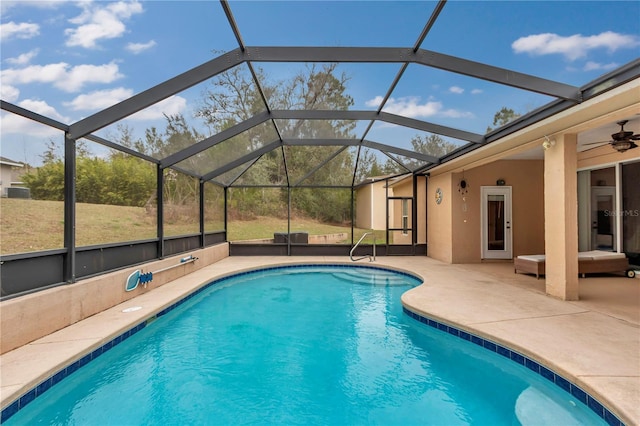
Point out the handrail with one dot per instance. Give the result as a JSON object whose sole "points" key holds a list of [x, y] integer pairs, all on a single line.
{"points": [[371, 258]]}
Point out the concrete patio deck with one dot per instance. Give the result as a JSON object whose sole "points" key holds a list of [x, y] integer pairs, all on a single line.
{"points": [[594, 342]]}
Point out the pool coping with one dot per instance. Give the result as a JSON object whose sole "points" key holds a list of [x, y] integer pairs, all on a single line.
{"points": [[171, 293]]}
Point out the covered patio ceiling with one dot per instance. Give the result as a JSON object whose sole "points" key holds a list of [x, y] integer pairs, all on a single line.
{"points": [[381, 127]]}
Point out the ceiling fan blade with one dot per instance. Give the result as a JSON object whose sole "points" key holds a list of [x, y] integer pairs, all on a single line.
{"points": [[597, 143], [635, 137]]}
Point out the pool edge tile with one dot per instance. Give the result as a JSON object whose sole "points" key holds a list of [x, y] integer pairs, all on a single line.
{"points": [[572, 389]]}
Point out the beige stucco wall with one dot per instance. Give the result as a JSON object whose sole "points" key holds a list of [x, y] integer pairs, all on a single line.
{"points": [[464, 227], [370, 206], [30, 317], [439, 218]]}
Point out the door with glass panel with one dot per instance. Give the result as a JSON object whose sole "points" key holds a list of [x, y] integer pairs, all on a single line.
{"points": [[496, 222], [399, 223]]}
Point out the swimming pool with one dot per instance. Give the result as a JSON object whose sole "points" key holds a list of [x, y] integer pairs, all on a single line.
{"points": [[312, 345]]}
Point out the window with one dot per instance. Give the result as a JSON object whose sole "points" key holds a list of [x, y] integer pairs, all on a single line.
{"points": [[405, 217]]}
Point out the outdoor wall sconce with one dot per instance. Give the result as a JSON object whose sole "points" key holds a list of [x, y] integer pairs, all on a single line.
{"points": [[463, 189], [463, 186], [548, 143]]}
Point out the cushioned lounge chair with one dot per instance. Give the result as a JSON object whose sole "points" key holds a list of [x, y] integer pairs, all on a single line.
{"points": [[589, 262]]}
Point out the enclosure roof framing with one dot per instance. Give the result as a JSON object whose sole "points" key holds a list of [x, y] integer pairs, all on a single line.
{"points": [[276, 121], [319, 54]]}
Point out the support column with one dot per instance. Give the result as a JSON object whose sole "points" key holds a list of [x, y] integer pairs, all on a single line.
{"points": [[160, 210], [69, 268], [561, 218]]}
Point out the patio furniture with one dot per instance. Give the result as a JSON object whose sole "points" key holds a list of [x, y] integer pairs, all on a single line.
{"points": [[589, 262]]}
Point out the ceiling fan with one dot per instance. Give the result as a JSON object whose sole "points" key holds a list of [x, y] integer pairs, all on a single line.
{"points": [[623, 140]]}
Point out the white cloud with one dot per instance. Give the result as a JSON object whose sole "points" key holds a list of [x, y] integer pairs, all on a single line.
{"points": [[43, 108], [476, 91], [6, 5], [410, 106], [169, 106], [15, 124], [375, 102], [100, 22], [454, 113], [136, 48], [595, 66], [21, 30], [62, 75], [457, 90], [99, 99], [9, 93], [575, 46], [23, 59]]}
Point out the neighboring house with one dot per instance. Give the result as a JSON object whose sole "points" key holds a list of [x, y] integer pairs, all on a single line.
{"points": [[10, 172]]}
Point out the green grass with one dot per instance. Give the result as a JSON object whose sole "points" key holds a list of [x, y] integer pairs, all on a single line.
{"points": [[33, 225]]}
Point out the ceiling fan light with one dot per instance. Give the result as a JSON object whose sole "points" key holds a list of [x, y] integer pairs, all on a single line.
{"points": [[621, 146]]}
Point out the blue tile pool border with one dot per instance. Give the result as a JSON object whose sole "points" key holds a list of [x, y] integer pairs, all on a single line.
{"points": [[46, 384], [525, 361]]}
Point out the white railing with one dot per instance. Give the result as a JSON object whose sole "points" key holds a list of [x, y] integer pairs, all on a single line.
{"points": [[371, 257]]}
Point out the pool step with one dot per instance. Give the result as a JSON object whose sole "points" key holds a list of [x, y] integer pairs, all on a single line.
{"points": [[371, 278]]}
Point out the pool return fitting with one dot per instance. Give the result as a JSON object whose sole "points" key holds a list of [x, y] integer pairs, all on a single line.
{"points": [[139, 277]]}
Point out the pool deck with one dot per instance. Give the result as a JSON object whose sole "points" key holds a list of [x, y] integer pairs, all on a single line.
{"points": [[594, 342]]}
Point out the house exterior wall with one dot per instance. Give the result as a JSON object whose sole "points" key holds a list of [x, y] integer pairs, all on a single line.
{"points": [[10, 172], [5, 179], [464, 223], [370, 206], [439, 218]]}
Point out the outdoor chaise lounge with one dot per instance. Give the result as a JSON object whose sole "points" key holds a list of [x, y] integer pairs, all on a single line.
{"points": [[589, 262]]}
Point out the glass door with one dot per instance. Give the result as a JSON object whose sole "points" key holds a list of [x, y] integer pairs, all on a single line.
{"points": [[630, 215], [400, 219], [603, 218], [496, 222]]}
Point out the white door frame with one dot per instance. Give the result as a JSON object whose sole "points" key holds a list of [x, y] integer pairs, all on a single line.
{"points": [[507, 252]]}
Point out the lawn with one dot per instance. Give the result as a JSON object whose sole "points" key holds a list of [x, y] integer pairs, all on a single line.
{"points": [[33, 225]]}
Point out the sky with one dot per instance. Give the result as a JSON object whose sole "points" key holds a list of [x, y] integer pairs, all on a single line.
{"points": [[67, 60]]}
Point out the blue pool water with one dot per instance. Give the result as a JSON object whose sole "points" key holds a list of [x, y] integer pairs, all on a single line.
{"points": [[312, 345]]}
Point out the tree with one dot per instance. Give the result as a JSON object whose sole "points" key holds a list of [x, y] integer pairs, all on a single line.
{"points": [[234, 98], [433, 145], [120, 179], [502, 117]]}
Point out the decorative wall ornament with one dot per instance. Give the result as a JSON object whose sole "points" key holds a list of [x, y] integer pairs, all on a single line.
{"points": [[438, 196]]}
